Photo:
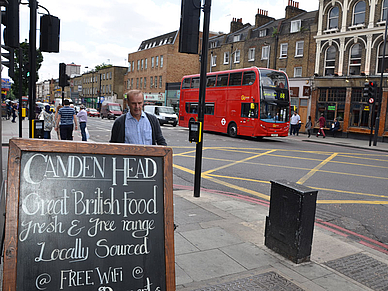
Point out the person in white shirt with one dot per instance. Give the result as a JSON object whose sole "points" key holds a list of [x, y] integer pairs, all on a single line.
{"points": [[294, 122], [82, 119]]}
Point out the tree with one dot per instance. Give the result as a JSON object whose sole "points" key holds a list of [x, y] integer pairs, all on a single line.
{"points": [[39, 59], [102, 66]]}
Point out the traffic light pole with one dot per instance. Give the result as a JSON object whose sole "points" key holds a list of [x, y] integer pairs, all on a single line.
{"points": [[32, 57], [380, 95], [20, 92], [202, 93]]}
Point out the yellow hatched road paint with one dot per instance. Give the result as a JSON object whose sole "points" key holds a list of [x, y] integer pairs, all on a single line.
{"points": [[313, 171]]}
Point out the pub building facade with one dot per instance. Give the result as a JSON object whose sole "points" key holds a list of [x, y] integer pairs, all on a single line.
{"points": [[349, 53]]}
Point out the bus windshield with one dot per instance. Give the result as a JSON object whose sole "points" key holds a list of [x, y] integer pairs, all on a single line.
{"points": [[274, 101]]}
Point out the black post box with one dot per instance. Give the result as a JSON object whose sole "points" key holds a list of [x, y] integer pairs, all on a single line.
{"points": [[38, 128], [290, 224]]}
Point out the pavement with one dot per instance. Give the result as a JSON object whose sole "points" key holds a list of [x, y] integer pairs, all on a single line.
{"points": [[220, 242]]}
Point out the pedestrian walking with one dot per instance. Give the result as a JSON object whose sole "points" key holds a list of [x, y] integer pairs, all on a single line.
{"points": [[67, 117], [14, 111], [322, 122], [48, 121], [83, 119], [309, 126], [137, 126], [294, 122], [57, 124]]}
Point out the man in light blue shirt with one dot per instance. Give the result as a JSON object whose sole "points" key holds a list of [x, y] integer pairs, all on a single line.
{"points": [[136, 126]]}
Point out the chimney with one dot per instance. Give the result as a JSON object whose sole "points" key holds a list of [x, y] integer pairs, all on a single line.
{"points": [[293, 9], [262, 18], [236, 24]]}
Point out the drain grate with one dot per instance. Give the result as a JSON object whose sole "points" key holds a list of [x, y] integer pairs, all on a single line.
{"points": [[363, 269], [262, 282]]}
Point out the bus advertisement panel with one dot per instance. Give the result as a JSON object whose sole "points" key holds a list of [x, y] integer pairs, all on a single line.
{"points": [[250, 102]]}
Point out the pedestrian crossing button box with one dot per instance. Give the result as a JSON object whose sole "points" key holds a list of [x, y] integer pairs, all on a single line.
{"points": [[38, 128], [195, 131]]}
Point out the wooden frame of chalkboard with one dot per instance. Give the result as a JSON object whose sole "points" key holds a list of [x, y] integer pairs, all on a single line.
{"points": [[88, 216]]}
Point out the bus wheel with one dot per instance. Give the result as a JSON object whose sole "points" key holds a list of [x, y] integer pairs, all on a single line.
{"points": [[232, 130]]}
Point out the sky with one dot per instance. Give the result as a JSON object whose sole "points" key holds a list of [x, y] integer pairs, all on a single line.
{"points": [[93, 32]]}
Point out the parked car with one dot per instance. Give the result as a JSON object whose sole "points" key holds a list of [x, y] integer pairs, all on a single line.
{"points": [[93, 112], [110, 110], [165, 114]]}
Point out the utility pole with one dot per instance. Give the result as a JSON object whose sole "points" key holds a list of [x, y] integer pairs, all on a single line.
{"points": [[32, 58], [202, 93]]}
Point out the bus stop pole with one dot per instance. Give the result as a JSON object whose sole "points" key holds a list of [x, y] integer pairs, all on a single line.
{"points": [[202, 93]]}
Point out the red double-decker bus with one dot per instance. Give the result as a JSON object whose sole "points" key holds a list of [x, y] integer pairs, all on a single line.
{"points": [[250, 102]]}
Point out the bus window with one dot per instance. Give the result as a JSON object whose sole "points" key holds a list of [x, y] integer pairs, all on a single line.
{"points": [[248, 111], [249, 78], [273, 79], [186, 83], [195, 83], [222, 80], [211, 81], [209, 108], [235, 79], [191, 107]]}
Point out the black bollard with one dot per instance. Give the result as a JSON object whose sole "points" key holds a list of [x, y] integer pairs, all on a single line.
{"points": [[290, 224]]}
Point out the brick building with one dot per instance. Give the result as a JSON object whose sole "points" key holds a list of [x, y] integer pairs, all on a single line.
{"points": [[349, 53], [157, 69], [285, 44]]}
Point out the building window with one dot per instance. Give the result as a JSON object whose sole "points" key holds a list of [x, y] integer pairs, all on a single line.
{"points": [[103, 76], [133, 66], [355, 60], [110, 88], [151, 82], [142, 64], [237, 56], [129, 66], [137, 83], [145, 64], [156, 82], [110, 75], [213, 44], [283, 50], [145, 82], [141, 83], [156, 61], [299, 49], [131, 83], [298, 72], [359, 13], [385, 65], [330, 61], [295, 26], [264, 52], [152, 62], [385, 10], [161, 61], [262, 33], [160, 81], [138, 65], [331, 102], [226, 58], [333, 18], [236, 38], [251, 54], [213, 61]]}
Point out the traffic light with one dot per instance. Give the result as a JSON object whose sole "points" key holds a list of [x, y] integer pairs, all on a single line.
{"points": [[63, 78], [49, 34], [365, 93], [10, 19], [370, 90], [189, 26], [26, 70], [10, 64]]}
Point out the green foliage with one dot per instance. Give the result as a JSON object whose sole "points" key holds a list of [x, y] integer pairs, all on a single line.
{"points": [[39, 59], [102, 66]]}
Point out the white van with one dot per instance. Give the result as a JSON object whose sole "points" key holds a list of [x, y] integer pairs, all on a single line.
{"points": [[166, 115]]}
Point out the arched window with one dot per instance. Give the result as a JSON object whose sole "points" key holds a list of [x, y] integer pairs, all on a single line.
{"points": [[330, 61], [359, 13], [385, 64], [385, 10], [355, 60], [333, 18]]}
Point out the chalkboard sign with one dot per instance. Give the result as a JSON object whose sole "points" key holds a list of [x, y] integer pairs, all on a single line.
{"points": [[88, 216]]}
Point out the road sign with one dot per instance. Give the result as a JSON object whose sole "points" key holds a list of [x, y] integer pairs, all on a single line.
{"points": [[371, 100]]}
